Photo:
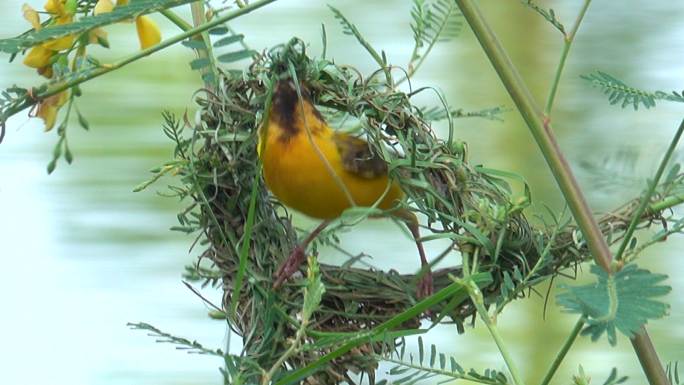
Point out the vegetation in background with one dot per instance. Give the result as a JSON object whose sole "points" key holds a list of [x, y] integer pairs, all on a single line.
{"points": [[336, 323]]}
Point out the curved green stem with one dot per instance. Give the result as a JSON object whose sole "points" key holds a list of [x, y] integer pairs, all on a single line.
{"points": [[564, 351], [567, 43], [543, 134], [643, 205], [478, 301], [175, 19]]}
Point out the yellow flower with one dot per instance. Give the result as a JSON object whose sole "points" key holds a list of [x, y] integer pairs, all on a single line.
{"points": [[32, 16], [38, 57], [103, 6], [148, 32], [49, 108], [63, 42], [55, 7]]}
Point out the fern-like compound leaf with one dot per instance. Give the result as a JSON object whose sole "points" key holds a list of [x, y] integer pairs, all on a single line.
{"points": [[549, 15], [624, 95], [433, 365]]}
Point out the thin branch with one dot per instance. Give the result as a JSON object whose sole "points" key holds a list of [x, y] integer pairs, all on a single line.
{"points": [[564, 351], [646, 199], [567, 43], [543, 134]]}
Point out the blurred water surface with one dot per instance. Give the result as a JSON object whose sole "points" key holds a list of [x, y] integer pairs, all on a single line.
{"points": [[83, 255]]}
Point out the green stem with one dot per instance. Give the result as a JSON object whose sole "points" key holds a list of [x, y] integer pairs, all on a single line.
{"points": [[301, 333], [666, 203], [175, 19], [564, 351], [56, 88], [643, 205], [541, 131], [567, 43], [246, 243], [543, 134], [478, 300]]}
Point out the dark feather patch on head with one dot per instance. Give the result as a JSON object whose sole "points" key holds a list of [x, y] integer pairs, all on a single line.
{"points": [[286, 109], [283, 107]]}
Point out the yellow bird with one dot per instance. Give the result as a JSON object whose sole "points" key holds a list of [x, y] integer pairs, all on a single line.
{"points": [[319, 172]]}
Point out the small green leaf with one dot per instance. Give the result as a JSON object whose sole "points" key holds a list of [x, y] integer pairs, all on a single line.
{"points": [[51, 166], [199, 63], [68, 156], [221, 30], [229, 40], [313, 292], [235, 56], [82, 121], [209, 77], [194, 44]]}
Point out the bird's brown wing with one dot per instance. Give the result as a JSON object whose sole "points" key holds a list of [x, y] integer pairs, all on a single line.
{"points": [[358, 157]]}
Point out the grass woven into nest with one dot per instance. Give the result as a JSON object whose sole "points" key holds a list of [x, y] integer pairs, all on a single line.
{"points": [[472, 206]]}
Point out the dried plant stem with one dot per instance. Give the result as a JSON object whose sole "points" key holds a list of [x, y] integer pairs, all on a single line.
{"points": [[543, 134], [209, 72]]}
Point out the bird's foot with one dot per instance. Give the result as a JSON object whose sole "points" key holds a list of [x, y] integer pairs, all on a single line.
{"points": [[425, 287], [290, 266]]}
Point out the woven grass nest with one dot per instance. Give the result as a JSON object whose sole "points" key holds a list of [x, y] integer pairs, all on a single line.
{"points": [[472, 206]]}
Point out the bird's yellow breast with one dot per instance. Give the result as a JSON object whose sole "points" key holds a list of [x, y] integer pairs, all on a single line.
{"points": [[307, 172]]}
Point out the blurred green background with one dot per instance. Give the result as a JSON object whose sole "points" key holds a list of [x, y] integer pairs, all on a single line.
{"points": [[82, 254]]}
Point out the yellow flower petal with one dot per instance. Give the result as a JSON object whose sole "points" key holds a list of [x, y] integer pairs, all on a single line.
{"points": [[38, 57], [103, 6], [63, 42], [31, 15], [60, 44], [148, 32], [56, 7], [49, 108], [49, 116]]}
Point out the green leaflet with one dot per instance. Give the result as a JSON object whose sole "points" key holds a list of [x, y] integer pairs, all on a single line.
{"points": [[433, 21], [313, 292], [409, 370], [620, 93], [623, 301], [137, 8]]}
